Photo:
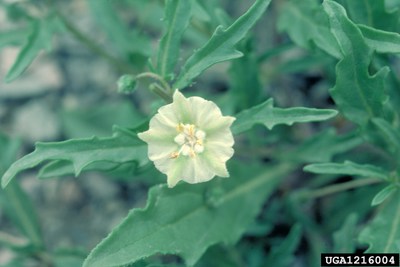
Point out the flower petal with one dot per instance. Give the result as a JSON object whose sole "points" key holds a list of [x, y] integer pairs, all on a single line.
{"points": [[181, 107], [219, 124], [167, 116], [174, 173], [190, 140], [204, 111], [198, 171], [153, 137], [222, 137], [216, 160]]}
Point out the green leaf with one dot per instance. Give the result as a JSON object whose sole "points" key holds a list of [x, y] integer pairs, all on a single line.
{"points": [[79, 122], [381, 41], [389, 134], [283, 254], [58, 168], [14, 201], [332, 144], [187, 219], [39, 39], [67, 257], [16, 243], [383, 232], [177, 15], [220, 256], [348, 168], [122, 147], [270, 116], [244, 79], [221, 46], [14, 36], [18, 207], [358, 95], [372, 13], [384, 194], [307, 24], [344, 238]]}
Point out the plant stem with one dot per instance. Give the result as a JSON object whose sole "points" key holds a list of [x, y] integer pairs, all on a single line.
{"points": [[336, 188], [120, 65], [154, 76], [164, 91]]}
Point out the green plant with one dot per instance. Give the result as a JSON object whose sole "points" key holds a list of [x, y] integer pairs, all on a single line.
{"points": [[345, 199]]}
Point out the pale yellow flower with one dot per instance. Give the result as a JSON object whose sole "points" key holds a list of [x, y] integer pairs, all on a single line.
{"points": [[190, 140]]}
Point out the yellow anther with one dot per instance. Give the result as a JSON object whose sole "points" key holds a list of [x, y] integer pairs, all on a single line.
{"points": [[174, 155], [180, 127]]}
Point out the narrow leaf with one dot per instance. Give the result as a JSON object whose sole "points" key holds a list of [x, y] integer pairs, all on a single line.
{"points": [[270, 116], [122, 147], [39, 39], [382, 234], [188, 219], [359, 95], [177, 15], [348, 168], [381, 41], [384, 194], [221, 46]]}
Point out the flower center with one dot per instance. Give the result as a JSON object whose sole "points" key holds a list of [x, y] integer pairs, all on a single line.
{"points": [[190, 139]]}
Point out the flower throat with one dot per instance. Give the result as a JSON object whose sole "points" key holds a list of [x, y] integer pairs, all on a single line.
{"points": [[190, 139]]}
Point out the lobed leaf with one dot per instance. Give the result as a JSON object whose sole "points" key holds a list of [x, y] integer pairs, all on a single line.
{"points": [[270, 116], [122, 147], [359, 95], [221, 46], [187, 219], [381, 41], [382, 234], [177, 15], [348, 168], [372, 13], [58, 168], [39, 39]]}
